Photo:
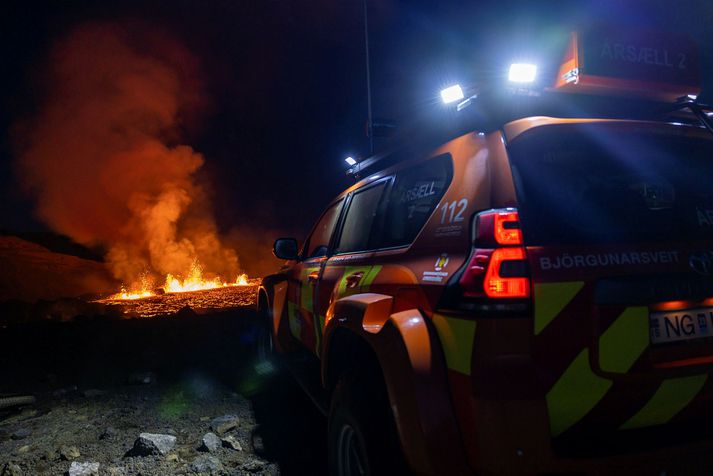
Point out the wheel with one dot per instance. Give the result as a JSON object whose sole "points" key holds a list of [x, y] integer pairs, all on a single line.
{"points": [[264, 344], [263, 348], [362, 438]]}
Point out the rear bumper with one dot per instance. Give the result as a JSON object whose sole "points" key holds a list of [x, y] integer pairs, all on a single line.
{"points": [[510, 441], [691, 459]]}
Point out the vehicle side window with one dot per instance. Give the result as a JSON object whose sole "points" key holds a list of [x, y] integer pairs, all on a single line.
{"points": [[318, 242], [415, 194], [359, 221]]}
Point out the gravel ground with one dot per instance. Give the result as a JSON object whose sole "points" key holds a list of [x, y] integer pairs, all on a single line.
{"points": [[102, 427], [100, 383]]}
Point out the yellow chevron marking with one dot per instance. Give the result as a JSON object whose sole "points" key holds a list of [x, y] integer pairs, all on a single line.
{"points": [[671, 397], [307, 290], [456, 336], [574, 394], [369, 278], [624, 341], [294, 320], [550, 299], [342, 290]]}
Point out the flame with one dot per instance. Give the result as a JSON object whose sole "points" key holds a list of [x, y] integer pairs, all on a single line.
{"points": [[124, 294], [141, 290], [194, 281]]}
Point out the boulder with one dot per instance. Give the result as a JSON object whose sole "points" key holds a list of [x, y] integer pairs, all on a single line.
{"points": [[153, 444], [210, 442], [206, 465], [68, 453], [231, 442], [11, 469], [224, 424], [83, 469]]}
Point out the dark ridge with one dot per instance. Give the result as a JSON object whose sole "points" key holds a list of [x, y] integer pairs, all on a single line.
{"points": [[58, 244]]}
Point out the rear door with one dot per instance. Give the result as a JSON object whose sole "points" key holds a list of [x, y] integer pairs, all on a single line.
{"points": [[617, 219]]}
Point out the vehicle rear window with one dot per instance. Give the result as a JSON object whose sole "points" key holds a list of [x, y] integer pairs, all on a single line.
{"points": [[592, 183], [414, 196]]}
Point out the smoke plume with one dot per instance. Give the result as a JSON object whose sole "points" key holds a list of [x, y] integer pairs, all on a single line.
{"points": [[103, 155]]}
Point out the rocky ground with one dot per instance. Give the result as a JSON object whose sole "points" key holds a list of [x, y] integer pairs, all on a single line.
{"points": [[159, 396]]}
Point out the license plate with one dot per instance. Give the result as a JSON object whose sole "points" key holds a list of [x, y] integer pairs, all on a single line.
{"points": [[687, 324]]}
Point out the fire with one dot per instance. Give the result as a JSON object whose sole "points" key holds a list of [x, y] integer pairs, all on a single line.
{"points": [[194, 281], [143, 290], [124, 294]]}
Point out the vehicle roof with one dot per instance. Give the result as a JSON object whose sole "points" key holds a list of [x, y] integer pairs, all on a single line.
{"points": [[516, 128], [513, 130]]}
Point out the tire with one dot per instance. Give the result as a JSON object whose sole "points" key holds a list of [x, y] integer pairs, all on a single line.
{"points": [[265, 357], [264, 343], [362, 437]]}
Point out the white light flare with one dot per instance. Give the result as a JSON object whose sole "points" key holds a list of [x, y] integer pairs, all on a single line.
{"points": [[452, 94], [350, 161], [522, 73]]}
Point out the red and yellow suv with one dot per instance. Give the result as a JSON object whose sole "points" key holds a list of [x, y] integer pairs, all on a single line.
{"points": [[536, 298]]}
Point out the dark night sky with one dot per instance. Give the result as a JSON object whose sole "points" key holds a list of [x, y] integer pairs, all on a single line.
{"points": [[286, 80]]}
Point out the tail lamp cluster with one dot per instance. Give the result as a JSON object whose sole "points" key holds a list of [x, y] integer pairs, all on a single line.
{"points": [[498, 264]]}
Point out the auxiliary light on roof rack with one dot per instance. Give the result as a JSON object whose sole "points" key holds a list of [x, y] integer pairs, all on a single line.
{"points": [[605, 73]]}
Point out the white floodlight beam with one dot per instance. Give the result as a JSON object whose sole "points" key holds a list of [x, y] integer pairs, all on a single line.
{"points": [[452, 94], [522, 73]]}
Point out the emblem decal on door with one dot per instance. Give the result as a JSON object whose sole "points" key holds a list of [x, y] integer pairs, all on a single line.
{"points": [[437, 275]]}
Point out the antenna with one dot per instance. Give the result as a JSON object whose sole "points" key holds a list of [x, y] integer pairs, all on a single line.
{"points": [[369, 126]]}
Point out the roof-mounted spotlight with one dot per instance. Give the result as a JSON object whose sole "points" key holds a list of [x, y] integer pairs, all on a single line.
{"points": [[452, 94], [350, 161], [522, 73]]}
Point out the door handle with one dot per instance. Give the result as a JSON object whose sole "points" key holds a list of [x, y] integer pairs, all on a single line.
{"points": [[354, 279], [313, 277]]}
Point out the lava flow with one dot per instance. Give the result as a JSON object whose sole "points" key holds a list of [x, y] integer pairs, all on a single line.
{"points": [[194, 291], [195, 281]]}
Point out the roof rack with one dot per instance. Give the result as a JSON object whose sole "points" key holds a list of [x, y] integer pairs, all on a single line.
{"points": [[488, 112]]}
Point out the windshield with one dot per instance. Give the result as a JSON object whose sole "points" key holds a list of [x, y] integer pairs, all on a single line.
{"points": [[591, 183]]}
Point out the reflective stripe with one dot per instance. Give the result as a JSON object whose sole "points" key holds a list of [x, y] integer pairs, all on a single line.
{"points": [[307, 289], [369, 278], [456, 336], [550, 299], [671, 397], [294, 320], [625, 340], [574, 394]]}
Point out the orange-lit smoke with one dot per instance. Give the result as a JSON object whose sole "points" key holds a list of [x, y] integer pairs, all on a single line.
{"points": [[103, 154]]}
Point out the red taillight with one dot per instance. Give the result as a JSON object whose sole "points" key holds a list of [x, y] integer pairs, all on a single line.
{"points": [[498, 286], [501, 272], [507, 228]]}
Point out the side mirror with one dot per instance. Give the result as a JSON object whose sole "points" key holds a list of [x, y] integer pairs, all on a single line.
{"points": [[285, 248]]}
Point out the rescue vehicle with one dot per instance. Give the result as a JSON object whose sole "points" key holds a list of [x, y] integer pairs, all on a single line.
{"points": [[532, 296]]}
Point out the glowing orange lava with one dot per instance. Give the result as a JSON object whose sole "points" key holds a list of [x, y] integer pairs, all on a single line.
{"points": [[194, 281]]}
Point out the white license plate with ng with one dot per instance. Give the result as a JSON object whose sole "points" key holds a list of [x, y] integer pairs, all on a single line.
{"points": [[686, 324]]}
